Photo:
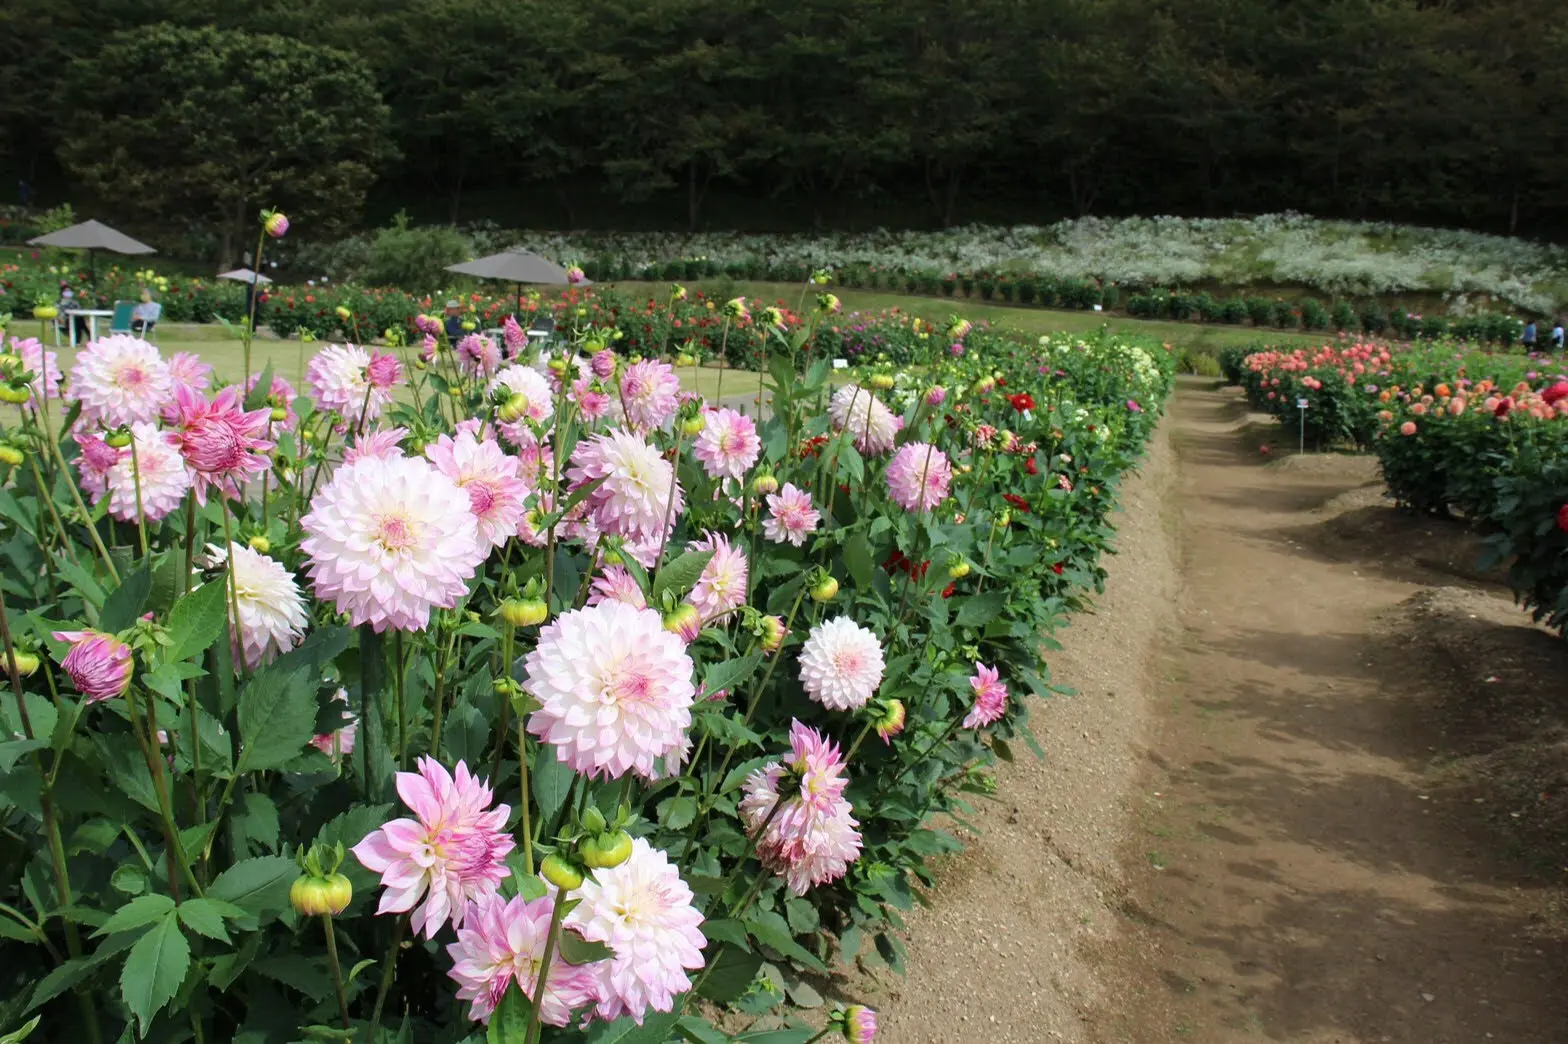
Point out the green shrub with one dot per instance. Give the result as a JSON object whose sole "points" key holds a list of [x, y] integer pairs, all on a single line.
{"points": [[1233, 310], [1313, 315], [1343, 316], [1260, 310]]}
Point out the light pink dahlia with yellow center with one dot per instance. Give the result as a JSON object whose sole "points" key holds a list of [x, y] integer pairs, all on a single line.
{"points": [[165, 477], [639, 497], [728, 444], [721, 588], [616, 584], [804, 828], [121, 379], [643, 911], [918, 476], [650, 394], [496, 492], [387, 541], [502, 942], [453, 853], [338, 379], [614, 689], [841, 664]]}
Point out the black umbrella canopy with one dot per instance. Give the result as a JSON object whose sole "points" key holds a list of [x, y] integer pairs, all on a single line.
{"points": [[516, 266], [92, 235]]}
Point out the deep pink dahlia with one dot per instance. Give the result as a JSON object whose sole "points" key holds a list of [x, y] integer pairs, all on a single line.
{"points": [[99, 664], [650, 394], [990, 698], [338, 379], [224, 445], [501, 942], [478, 355]]}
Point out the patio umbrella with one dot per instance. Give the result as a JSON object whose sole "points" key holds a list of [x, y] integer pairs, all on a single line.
{"points": [[91, 236], [516, 266], [244, 275]]}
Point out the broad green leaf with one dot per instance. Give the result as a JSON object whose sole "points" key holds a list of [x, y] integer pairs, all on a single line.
{"points": [[574, 949], [205, 917], [129, 879], [677, 813], [509, 1021], [780, 1036], [138, 913], [277, 718], [76, 969], [197, 620], [21, 1033], [698, 1030], [125, 602], [730, 675], [726, 930], [258, 819], [88, 587], [154, 969], [858, 559], [466, 734], [550, 780], [851, 467], [166, 678], [256, 398], [679, 575], [733, 971], [978, 610], [257, 886], [655, 1029], [771, 930], [12, 750]]}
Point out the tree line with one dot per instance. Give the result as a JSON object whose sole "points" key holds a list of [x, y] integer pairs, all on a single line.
{"points": [[843, 113]]}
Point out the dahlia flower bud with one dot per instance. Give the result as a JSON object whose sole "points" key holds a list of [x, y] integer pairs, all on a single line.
{"points": [[575, 275], [26, 663], [888, 718], [514, 409], [857, 1023], [561, 873], [259, 544], [936, 396], [736, 308], [828, 304], [523, 612], [605, 851], [119, 438], [958, 568], [684, 620], [313, 896], [960, 329], [99, 664], [764, 483], [279, 414], [11, 455], [15, 392], [693, 425], [344, 313], [823, 587], [10, 362], [773, 316], [881, 381], [773, 633], [677, 292], [685, 359], [276, 224], [822, 276]]}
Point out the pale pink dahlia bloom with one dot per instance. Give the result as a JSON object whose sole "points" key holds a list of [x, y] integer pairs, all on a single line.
{"points": [[272, 611], [634, 500], [614, 689], [478, 355], [808, 830], [496, 492], [452, 854], [643, 911], [121, 379], [165, 477], [617, 585], [383, 371], [592, 401], [99, 664], [918, 476], [44, 366], [378, 445], [535, 459], [990, 698], [388, 540], [872, 426], [722, 586], [501, 942], [535, 389], [791, 517], [224, 446], [339, 743], [728, 444], [650, 393], [841, 664], [187, 371], [338, 380]]}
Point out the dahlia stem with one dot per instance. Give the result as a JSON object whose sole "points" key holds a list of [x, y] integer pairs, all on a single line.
{"points": [[952, 727], [669, 502], [337, 971], [87, 518], [136, 480], [522, 769], [255, 287], [46, 494], [232, 583], [556, 914], [866, 728], [386, 976], [402, 701], [724, 340]]}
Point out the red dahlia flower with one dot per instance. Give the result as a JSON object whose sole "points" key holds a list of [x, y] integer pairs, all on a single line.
{"points": [[1022, 401], [1562, 518], [1018, 502]]}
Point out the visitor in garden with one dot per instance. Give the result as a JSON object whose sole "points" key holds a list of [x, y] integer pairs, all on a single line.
{"points": [[1528, 337], [68, 302], [454, 321], [1557, 336], [146, 314]]}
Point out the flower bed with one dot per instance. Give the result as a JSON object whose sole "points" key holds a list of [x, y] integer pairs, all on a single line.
{"points": [[535, 694], [1455, 430]]}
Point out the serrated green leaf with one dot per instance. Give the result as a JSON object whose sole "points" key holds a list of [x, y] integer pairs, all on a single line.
{"points": [[574, 949], [655, 1029], [277, 718], [978, 610], [509, 1021], [154, 969], [205, 917], [138, 913], [679, 575], [733, 971], [730, 675], [771, 930], [124, 603], [257, 886], [677, 813], [197, 620], [698, 1030], [76, 969], [550, 780], [256, 398], [858, 559], [726, 930], [22, 1032]]}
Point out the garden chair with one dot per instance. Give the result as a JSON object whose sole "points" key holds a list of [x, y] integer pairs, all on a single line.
{"points": [[121, 323], [152, 311]]}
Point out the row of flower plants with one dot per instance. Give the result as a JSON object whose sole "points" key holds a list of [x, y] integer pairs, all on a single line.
{"points": [[1456, 429], [481, 693]]}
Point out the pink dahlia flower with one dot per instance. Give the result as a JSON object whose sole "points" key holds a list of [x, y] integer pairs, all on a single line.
{"points": [[280, 395], [791, 517], [44, 366], [614, 689], [224, 445], [338, 380], [383, 371], [532, 386], [936, 396], [634, 500], [120, 379], [379, 445], [187, 371], [272, 611], [841, 664], [339, 743], [807, 829], [451, 854], [496, 492], [95, 460], [722, 586], [165, 477], [643, 911], [872, 426], [592, 402], [728, 444], [388, 540], [513, 336], [501, 942], [478, 355], [617, 585], [650, 394], [990, 698], [603, 364], [99, 664], [918, 476]]}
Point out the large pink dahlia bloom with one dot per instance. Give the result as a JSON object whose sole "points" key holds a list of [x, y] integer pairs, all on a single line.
{"points": [[451, 854], [791, 517], [722, 586], [643, 911], [224, 446], [501, 942], [728, 444], [165, 477], [918, 476], [481, 468], [990, 698], [808, 831], [841, 664], [614, 689], [338, 378], [871, 425], [650, 394], [120, 379], [634, 500], [388, 540]]}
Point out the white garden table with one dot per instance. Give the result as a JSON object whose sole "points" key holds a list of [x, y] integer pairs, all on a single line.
{"points": [[92, 315]]}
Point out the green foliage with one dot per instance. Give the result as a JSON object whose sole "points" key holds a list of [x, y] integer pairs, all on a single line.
{"points": [[413, 259]]}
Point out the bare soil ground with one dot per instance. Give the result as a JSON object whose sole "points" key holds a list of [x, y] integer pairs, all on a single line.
{"points": [[1314, 787]]}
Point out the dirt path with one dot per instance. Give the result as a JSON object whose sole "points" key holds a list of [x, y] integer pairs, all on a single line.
{"points": [[1311, 790]]}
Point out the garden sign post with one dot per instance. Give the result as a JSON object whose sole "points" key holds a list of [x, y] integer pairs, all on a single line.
{"points": [[1301, 404]]}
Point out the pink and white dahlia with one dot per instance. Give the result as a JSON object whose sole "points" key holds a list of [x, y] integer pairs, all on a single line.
{"points": [[872, 426], [614, 689], [496, 492], [339, 382], [805, 829], [165, 477], [95, 460], [535, 460], [535, 390], [478, 355], [44, 366], [650, 394], [280, 396], [224, 446], [990, 698], [635, 498], [617, 585], [388, 540], [501, 942], [593, 402], [379, 445], [728, 444], [451, 854], [791, 517], [841, 664], [187, 371], [383, 371], [722, 586], [513, 337], [272, 611], [858, 1023], [643, 911], [120, 379], [98, 664], [339, 743], [918, 476]]}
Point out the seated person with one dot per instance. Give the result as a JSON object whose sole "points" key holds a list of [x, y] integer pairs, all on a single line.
{"points": [[454, 322], [69, 303], [145, 315]]}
